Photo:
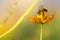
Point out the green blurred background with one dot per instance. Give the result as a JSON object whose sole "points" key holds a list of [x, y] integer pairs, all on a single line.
{"points": [[27, 30]]}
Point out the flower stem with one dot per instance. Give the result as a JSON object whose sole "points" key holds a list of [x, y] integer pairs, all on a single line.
{"points": [[41, 33]]}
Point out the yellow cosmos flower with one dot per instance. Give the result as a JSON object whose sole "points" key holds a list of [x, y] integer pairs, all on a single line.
{"points": [[41, 18]]}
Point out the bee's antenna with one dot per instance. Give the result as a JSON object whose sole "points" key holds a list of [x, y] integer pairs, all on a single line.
{"points": [[41, 7]]}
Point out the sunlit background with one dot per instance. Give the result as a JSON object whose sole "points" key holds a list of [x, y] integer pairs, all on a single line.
{"points": [[27, 30]]}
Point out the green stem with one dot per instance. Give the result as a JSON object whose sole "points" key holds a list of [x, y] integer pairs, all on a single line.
{"points": [[41, 33]]}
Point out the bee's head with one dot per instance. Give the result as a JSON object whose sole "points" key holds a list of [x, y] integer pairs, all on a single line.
{"points": [[39, 11]]}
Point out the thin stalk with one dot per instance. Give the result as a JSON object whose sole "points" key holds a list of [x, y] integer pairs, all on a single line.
{"points": [[41, 33]]}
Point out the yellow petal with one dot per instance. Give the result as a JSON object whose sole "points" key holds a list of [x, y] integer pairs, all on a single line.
{"points": [[50, 18], [31, 19]]}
